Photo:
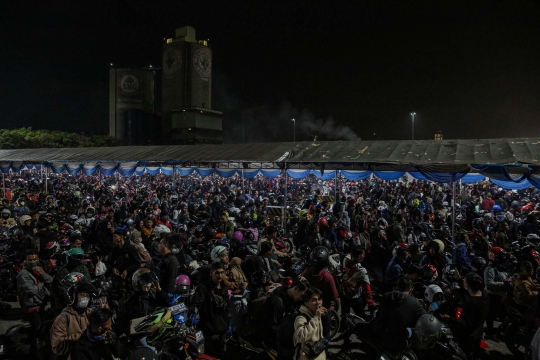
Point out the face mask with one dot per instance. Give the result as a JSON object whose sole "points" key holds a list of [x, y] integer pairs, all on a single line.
{"points": [[175, 251], [83, 302], [32, 264]]}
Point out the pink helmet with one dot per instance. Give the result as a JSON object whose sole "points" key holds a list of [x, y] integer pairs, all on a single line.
{"points": [[238, 236], [182, 285]]}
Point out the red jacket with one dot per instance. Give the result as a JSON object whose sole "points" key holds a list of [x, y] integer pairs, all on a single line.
{"points": [[324, 282]]}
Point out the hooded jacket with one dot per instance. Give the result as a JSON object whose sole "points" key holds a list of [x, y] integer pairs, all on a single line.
{"points": [[213, 307], [66, 329], [237, 278], [307, 333], [323, 281]]}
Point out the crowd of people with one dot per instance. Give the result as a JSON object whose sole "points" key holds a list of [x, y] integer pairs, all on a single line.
{"points": [[107, 268]]}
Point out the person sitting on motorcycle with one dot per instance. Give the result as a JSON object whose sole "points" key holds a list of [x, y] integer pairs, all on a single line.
{"points": [[271, 236], [396, 316], [469, 328], [138, 304], [71, 323], [529, 226], [164, 220], [356, 284], [124, 259], [460, 254], [97, 342], [312, 237], [317, 275], [244, 222], [525, 290], [501, 240], [396, 267], [73, 263], [435, 257], [225, 226], [7, 220], [21, 208]]}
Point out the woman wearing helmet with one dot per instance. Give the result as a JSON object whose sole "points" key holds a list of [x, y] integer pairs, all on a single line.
{"points": [[68, 327], [468, 329], [73, 263]]}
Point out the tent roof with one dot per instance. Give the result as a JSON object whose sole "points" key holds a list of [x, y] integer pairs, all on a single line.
{"points": [[339, 154]]}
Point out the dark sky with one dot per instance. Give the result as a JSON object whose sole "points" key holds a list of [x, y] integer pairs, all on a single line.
{"points": [[470, 69]]}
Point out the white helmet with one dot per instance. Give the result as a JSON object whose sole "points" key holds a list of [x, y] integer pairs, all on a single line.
{"points": [[215, 255], [433, 293], [161, 229]]}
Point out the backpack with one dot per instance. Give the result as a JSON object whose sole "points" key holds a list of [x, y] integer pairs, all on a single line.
{"points": [[285, 338], [253, 325], [45, 330]]}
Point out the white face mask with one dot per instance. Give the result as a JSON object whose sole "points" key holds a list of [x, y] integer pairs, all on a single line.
{"points": [[83, 302]]}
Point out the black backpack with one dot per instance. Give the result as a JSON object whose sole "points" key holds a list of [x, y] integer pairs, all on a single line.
{"points": [[285, 339], [253, 325]]}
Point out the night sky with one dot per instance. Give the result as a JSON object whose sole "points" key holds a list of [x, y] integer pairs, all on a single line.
{"points": [[470, 69]]}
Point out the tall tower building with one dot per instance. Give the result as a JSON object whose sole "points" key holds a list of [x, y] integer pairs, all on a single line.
{"points": [[132, 105], [187, 116]]}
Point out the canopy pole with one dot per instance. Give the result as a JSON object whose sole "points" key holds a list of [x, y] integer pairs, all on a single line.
{"points": [[243, 183], [46, 175], [453, 211], [285, 204], [4, 184], [335, 187]]}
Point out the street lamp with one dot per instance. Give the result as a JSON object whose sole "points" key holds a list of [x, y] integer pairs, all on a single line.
{"points": [[412, 115], [294, 130]]}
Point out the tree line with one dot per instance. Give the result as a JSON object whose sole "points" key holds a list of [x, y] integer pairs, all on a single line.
{"points": [[27, 138]]}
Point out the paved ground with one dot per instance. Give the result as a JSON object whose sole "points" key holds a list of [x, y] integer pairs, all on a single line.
{"points": [[496, 351]]}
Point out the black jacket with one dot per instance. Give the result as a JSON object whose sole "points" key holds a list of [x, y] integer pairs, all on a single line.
{"points": [[469, 327], [125, 258], [213, 307], [277, 305], [397, 312], [168, 272], [45, 237]]}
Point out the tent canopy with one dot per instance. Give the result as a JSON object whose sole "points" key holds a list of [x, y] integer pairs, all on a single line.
{"points": [[404, 152]]}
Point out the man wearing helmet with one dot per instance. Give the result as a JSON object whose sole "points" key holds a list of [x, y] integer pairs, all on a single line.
{"points": [[68, 327], [73, 263], [7, 220]]}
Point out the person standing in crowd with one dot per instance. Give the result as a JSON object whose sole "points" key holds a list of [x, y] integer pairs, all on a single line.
{"points": [[96, 343], [33, 292], [308, 326], [211, 298]]}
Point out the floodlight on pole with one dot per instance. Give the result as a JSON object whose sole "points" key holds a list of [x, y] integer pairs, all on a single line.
{"points": [[294, 129], [413, 115]]}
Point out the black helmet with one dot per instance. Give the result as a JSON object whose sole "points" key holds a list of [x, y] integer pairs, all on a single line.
{"points": [[260, 277], [427, 331], [479, 263], [327, 244], [79, 288], [14, 231], [319, 257]]}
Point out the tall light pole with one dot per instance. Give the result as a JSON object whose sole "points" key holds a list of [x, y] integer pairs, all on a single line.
{"points": [[412, 115], [294, 129]]}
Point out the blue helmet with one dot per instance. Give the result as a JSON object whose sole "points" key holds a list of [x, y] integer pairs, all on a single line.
{"points": [[497, 209]]}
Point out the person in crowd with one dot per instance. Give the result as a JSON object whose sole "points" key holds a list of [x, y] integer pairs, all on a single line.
{"points": [[396, 267], [525, 290], [317, 276], [211, 298], [72, 322], [497, 283], [168, 248], [124, 259], [308, 326], [33, 293], [225, 226], [468, 329], [97, 342], [396, 316]]}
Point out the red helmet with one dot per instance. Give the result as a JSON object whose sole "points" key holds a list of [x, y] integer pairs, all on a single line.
{"points": [[497, 255], [352, 201], [323, 222]]}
